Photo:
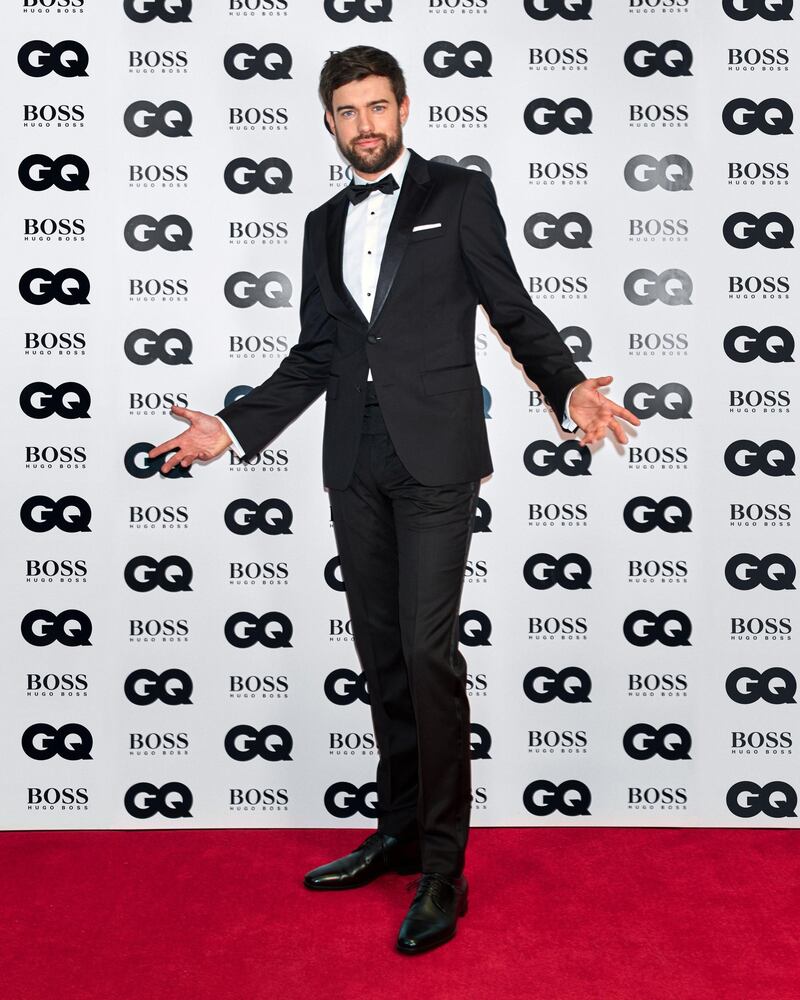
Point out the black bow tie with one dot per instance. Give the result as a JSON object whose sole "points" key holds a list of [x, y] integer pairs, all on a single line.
{"points": [[357, 192]]}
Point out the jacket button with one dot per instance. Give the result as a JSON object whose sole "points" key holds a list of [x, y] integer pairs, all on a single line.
{"points": [[372, 339]]}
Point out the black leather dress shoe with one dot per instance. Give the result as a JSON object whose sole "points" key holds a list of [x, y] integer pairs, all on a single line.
{"points": [[378, 854], [432, 917]]}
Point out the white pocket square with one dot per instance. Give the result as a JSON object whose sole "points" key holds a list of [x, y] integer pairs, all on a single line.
{"points": [[428, 225]]}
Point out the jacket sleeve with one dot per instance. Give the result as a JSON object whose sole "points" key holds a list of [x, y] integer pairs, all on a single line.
{"points": [[258, 417], [533, 339]]}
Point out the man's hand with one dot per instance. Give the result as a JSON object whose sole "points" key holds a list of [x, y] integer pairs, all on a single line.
{"points": [[593, 412], [205, 439]]}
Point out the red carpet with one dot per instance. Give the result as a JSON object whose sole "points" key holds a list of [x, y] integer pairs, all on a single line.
{"points": [[555, 914]]}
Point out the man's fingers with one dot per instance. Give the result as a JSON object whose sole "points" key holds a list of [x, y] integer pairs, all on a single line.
{"points": [[616, 427], [161, 448], [184, 411], [620, 411]]}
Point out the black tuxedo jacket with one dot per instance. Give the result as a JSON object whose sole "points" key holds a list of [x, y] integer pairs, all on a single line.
{"points": [[420, 340]]}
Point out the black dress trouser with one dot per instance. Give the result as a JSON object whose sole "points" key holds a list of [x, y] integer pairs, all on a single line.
{"points": [[403, 550]]}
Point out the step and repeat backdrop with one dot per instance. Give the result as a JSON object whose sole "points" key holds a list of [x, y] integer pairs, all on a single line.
{"points": [[177, 650]]}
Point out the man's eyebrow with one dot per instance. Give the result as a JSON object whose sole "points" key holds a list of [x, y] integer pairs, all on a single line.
{"points": [[349, 107]]}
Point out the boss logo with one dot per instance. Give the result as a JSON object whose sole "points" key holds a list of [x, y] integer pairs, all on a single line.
{"points": [[755, 742], [140, 466], [550, 740], [474, 628], [672, 287], [371, 11], [671, 400], [271, 743], [649, 798], [773, 230], [42, 115], [148, 289], [272, 517], [343, 800], [569, 458], [770, 286], [271, 289], [571, 571], [671, 173], [271, 61], [70, 514], [67, 58], [171, 347], [470, 59], [572, 116], [273, 630], [267, 573], [570, 798], [571, 231], [69, 628], [68, 172], [147, 743], [670, 742], [271, 175], [647, 115], [67, 798], [267, 685], [752, 514], [773, 344], [569, 10], [751, 628], [68, 287], [769, 10], [773, 458], [48, 342], [172, 119], [152, 629], [172, 800], [345, 687], [650, 684], [480, 742], [775, 571], [670, 628], [748, 58], [271, 460], [144, 232], [566, 628], [465, 115], [557, 513], [170, 687], [671, 59], [47, 684], [776, 799], [172, 573], [775, 686], [672, 515], [72, 741], [572, 685], [772, 116]]}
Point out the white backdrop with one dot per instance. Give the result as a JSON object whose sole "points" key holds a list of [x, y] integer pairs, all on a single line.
{"points": [[688, 625]]}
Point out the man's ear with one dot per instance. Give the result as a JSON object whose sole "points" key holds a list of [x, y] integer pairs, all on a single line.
{"points": [[327, 120], [403, 109]]}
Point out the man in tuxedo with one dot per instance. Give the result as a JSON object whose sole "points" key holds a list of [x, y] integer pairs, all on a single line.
{"points": [[394, 267]]}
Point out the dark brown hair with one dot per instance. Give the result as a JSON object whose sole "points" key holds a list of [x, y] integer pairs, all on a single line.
{"points": [[354, 64]]}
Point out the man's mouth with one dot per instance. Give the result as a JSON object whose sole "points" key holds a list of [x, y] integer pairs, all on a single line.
{"points": [[367, 142]]}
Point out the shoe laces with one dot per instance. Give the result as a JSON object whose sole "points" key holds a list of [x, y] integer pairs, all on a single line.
{"points": [[433, 885]]}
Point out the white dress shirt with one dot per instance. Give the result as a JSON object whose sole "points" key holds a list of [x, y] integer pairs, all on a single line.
{"points": [[366, 227]]}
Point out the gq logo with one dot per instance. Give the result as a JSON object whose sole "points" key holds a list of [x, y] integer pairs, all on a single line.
{"points": [[139, 465], [72, 741], [572, 116], [772, 116], [68, 172], [272, 517], [370, 11], [172, 119], [271, 289], [569, 10], [171, 11], [482, 516], [769, 10], [144, 232], [38, 58], [670, 742], [571, 571], [775, 686], [673, 287], [474, 628], [172, 347], [672, 58], [670, 628], [774, 458], [672, 401], [671, 515], [773, 344], [671, 173], [43, 628], [469, 162], [776, 799], [570, 798], [70, 400], [333, 574], [343, 800], [543, 458], [480, 742], [70, 514], [172, 573], [571, 685], [773, 230], [170, 687], [273, 630], [571, 231], [578, 341], [470, 59], [271, 743], [145, 800], [68, 287], [344, 687], [775, 571], [271, 61], [271, 175]]}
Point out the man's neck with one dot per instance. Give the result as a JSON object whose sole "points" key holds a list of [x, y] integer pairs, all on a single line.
{"points": [[373, 177]]}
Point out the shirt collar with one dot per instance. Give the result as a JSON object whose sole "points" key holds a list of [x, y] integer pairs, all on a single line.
{"points": [[397, 169]]}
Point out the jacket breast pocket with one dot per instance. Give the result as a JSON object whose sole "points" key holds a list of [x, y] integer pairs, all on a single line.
{"points": [[450, 379], [425, 234], [332, 390]]}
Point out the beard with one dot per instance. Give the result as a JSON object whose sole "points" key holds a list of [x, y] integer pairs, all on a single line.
{"points": [[376, 158]]}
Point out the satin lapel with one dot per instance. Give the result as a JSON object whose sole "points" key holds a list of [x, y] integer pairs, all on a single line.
{"points": [[334, 238], [411, 200]]}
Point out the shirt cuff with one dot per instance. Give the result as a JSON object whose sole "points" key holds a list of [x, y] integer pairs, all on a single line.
{"points": [[235, 447], [566, 421]]}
